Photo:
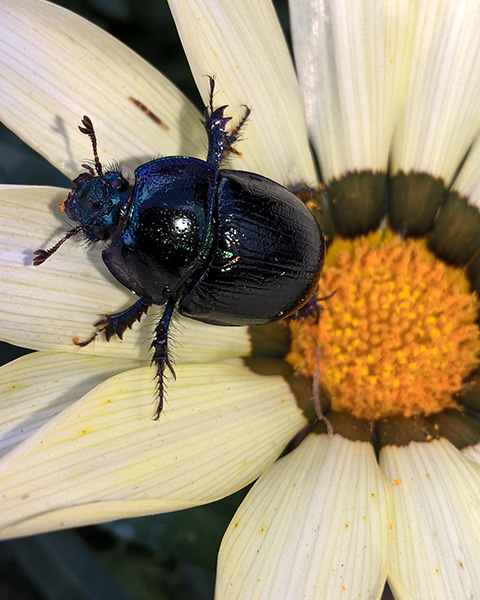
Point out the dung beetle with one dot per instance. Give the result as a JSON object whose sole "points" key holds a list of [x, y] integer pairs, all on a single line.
{"points": [[221, 246]]}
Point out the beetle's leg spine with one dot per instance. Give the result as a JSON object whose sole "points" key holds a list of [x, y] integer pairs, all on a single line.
{"points": [[234, 134], [116, 324], [220, 143], [160, 355], [311, 308]]}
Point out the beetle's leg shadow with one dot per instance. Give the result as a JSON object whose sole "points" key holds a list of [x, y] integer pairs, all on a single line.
{"points": [[160, 355], [220, 142], [116, 324], [316, 397]]}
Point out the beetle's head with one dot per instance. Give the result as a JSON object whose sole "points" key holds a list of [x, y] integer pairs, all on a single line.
{"points": [[96, 202]]}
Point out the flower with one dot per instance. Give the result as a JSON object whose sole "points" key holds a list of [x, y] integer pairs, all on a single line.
{"points": [[390, 94]]}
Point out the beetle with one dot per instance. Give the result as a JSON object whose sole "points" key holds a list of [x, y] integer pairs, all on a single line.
{"points": [[221, 246]]}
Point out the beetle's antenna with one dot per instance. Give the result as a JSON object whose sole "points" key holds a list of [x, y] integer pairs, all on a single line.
{"points": [[89, 130], [42, 255]]}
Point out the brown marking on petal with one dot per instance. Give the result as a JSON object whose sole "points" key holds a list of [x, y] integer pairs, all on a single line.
{"points": [[155, 118]]}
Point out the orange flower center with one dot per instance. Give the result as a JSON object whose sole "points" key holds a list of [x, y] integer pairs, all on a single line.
{"points": [[399, 335]]}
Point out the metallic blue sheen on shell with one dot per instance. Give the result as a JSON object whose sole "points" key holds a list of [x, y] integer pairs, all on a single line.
{"points": [[220, 246], [168, 231], [231, 247]]}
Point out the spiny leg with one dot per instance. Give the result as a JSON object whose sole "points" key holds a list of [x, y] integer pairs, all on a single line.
{"points": [[310, 308], [160, 353], [116, 324], [220, 143]]}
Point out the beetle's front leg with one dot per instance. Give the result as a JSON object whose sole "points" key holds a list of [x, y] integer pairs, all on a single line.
{"points": [[116, 324], [220, 142], [160, 354]]}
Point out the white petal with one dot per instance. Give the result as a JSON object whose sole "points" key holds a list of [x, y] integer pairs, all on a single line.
{"points": [[242, 45], [45, 307], [104, 458], [352, 59], [55, 67], [442, 113], [36, 387], [315, 525], [436, 550]]}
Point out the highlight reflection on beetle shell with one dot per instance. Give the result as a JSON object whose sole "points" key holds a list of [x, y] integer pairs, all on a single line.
{"points": [[167, 232]]}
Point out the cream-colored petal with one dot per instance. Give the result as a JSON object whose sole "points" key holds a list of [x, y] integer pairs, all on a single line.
{"points": [[56, 67], [45, 307], [436, 550], [442, 113], [352, 60], [104, 458], [37, 387], [242, 45], [315, 525]]}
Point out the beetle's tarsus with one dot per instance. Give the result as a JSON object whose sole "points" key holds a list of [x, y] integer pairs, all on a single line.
{"points": [[82, 343]]}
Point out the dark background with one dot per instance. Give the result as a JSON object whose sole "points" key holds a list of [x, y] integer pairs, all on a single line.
{"points": [[169, 556]]}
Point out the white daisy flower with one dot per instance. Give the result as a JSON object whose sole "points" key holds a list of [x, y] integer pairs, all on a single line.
{"points": [[386, 487]]}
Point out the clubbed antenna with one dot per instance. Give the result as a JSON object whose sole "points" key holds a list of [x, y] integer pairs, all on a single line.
{"points": [[42, 255], [88, 129]]}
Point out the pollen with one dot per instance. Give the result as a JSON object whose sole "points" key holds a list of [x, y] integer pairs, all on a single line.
{"points": [[398, 336]]}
